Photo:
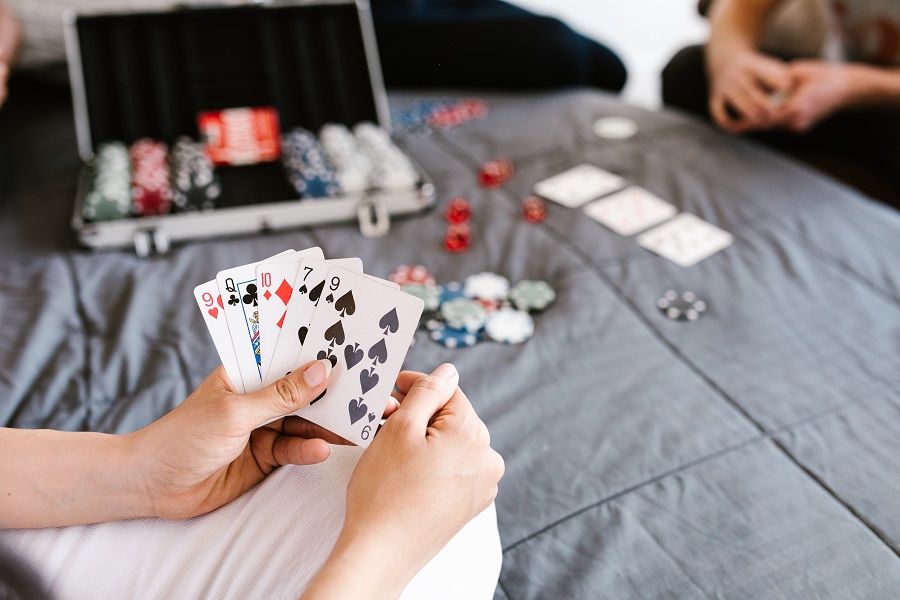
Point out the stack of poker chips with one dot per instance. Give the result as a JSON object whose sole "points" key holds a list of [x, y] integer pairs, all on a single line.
{"points": [[352, 167], [150, 192], [484, 306], [391, 169], [195, 185], [109, 196], [308, 168]]}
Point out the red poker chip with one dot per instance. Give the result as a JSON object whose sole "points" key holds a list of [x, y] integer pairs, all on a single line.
{"points": [[405, 274]]}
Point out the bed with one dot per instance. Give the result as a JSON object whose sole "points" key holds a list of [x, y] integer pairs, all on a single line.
{"points": [[750, 454]]}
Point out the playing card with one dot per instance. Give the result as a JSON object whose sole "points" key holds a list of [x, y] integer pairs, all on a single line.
{"points": [[364, 328], [210, 302], [685, 240], [275, 284], [578, 185], [239, 292], [629, 211], [306, 293]]}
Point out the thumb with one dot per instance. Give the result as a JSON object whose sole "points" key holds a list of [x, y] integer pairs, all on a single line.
{"points": [[289, 394], [428, 395]]}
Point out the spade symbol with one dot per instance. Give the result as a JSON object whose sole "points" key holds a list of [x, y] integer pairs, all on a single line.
{"points": [[367, 380], [250, 296], [357, 410], [353, 355], [390, 322], [378, 352], [335, 334], [371, 417], [324, 355], [345, 304], [316, 292], [301, 333], [319, 397], [303, 289], [329, 298]]}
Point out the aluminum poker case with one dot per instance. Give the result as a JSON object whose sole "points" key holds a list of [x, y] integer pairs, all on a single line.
{"points": [[149, 74]]}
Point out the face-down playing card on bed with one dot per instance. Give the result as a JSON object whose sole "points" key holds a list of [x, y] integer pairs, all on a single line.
{"points": [[364, 328]]}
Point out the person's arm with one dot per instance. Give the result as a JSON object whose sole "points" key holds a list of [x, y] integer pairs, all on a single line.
{"points": [[9, 43], [203, 454], [428, 472], [742, 80]]}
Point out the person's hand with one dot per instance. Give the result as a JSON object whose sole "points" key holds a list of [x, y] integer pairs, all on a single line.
{"points": [[211, 448], [744, 90], [4, 76], [427, 473], [820, 89]]}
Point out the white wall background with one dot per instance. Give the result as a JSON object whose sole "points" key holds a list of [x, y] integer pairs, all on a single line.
{"points": [[645, 33]]}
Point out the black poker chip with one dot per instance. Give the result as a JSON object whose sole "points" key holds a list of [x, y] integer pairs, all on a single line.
{"points": [[685, 306]]}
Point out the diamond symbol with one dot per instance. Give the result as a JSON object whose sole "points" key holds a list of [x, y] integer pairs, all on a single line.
{"points": [[284, 291], [281, 320], [267, 295]]}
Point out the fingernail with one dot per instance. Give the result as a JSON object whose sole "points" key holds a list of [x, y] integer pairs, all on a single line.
{"points": [[317, 373], [446, 371]]}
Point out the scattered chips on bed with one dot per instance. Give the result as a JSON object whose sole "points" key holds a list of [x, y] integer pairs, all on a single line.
{"points": [[685, 306], [484, 307], [424, 115]]}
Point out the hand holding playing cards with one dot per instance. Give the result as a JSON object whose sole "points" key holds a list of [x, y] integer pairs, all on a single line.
{"points": [[211, 449], [428, 472]]}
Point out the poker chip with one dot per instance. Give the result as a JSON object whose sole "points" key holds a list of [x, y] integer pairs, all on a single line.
{"points": [[352, 167], [685, 306], [451, 290], [464, 313], [150, 191], [487, 286], [453, 338], [509, 326], [307, 166], [428, 292], [532, 295], [615, 128], [405, 274], [193, 181], [109, 195], [391, 169]]}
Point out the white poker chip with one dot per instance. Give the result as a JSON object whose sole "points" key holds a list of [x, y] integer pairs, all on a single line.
{"points": [[615, 128], [486, 286], [685, 306], [509, 326]]}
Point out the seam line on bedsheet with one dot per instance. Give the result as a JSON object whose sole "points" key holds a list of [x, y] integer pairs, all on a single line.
{"points": [[604, 277], [82, 317]]}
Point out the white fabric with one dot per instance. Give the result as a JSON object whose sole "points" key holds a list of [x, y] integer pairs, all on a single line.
{"points": [[266, 544]]}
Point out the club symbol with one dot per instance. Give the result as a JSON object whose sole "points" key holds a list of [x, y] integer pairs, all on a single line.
{"points": [[250, 296], [233, 300]]}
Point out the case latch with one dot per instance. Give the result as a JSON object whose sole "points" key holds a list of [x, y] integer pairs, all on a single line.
{"points": [[150, 241], [374, 219]]}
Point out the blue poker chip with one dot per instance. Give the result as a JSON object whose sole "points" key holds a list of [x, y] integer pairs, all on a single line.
{"points": [[454, 338], [452, 291]]}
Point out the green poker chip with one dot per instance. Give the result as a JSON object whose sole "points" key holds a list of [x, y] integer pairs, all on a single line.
{"points": [[532, 295], [464, 314], [429, 293]]}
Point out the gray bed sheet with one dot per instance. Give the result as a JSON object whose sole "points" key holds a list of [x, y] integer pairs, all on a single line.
{"points": [[751, 454]]}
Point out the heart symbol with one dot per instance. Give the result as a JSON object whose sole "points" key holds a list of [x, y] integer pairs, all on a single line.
{"points": [[367, 380], [357, 410], [219, 300], [301, 333], [371, 417], [345, 304], [335, 334], [390, 321], [322, 355], [353, 355], [214, 312], [378, 352]]}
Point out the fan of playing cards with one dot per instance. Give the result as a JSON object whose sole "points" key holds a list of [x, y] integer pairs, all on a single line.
{"points": [[269, 317]]}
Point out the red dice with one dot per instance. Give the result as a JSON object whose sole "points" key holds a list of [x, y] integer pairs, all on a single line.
{"points": [[495, 173], [458, 211], [533, 209], [458, 238]]}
